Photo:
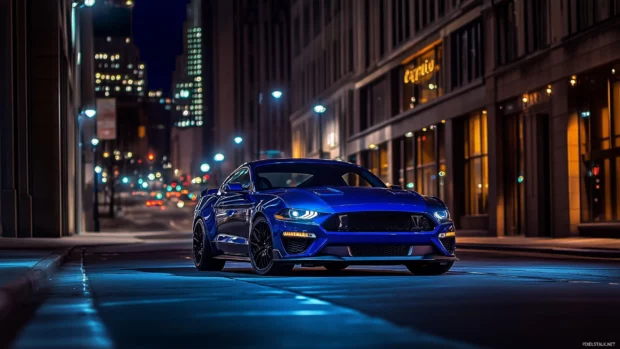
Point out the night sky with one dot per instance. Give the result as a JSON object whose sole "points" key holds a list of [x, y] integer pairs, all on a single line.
{"points": [[158, 32]]}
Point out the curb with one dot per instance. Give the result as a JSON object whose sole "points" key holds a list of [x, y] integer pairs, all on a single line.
{"points": [[22, 290], [577, 252]]}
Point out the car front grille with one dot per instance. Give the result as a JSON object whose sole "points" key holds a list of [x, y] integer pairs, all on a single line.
{"points": [[379, 250], [449, 243], [296, 245], [379, 222]]}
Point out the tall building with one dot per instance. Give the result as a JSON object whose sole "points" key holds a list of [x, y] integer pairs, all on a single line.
{"points": [[120, 74], [45, 85], [507, 110], [188, 132], [247, 64]]}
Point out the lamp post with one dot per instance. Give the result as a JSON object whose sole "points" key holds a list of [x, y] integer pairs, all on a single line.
{"points": [[320, 109], [276, 94], [98, 170]]}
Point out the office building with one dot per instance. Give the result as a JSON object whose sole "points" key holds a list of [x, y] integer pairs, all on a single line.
{"points": [[507, 110]]}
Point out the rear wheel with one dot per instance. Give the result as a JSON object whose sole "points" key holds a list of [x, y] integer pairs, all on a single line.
{"points": [[429, 268], [202, 253], [261, 250], [335, 267]]}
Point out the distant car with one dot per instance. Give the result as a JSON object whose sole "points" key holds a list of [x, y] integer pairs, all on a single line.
{"points": [[154, 203], [278, 213]]}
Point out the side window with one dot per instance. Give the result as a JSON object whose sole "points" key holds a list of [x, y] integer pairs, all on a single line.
{"points": [[242, 177], [355, 180]]}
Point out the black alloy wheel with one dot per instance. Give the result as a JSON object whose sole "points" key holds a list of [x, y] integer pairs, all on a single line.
{"points": [[202, 253], [261, 250], [429, 268]]}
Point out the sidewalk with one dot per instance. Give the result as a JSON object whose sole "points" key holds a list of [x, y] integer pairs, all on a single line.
{"points": [[583, 247]]}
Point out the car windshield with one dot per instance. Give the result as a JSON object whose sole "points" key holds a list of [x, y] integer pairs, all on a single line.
{"points": [[306, 175]]}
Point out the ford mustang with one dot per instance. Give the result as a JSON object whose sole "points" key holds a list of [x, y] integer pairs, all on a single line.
{"points": [[279, 213]]}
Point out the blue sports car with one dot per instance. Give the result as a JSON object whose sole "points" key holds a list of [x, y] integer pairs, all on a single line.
{"points": [[278, 213]]}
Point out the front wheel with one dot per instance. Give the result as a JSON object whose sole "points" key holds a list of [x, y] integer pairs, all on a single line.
{"points": [[429, 268], [202, 253], [261, 250]]}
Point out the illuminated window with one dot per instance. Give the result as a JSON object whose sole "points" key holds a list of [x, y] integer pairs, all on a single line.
{"points": [[476, 164]]}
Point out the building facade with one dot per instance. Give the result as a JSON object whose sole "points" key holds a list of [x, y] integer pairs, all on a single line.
{"points": [[506, 110], [41, 105], [247, 69]]}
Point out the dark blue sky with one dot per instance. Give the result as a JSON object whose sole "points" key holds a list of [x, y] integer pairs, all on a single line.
{"points": [[158, 32]]}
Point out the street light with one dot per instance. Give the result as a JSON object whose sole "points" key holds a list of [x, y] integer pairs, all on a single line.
{"points": [[125, 180], [98, 169], [276, 94], [90, 112], [205, 167], [218, 157], [94, 142], [238, 140], [320, 109], [89, 3]]}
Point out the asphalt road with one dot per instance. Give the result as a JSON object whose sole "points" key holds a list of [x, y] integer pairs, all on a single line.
{"points": [[152, 297]]}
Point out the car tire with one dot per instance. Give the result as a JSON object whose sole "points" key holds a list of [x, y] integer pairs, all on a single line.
{"points": [[202, 252], [260, 250], [335, 267], [429, 268]]}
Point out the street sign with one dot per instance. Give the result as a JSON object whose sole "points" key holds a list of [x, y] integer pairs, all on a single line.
{"points": [[106, 118]]}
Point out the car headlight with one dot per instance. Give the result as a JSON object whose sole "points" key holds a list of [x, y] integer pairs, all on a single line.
{"points": [[442, 215], [291, 214]]}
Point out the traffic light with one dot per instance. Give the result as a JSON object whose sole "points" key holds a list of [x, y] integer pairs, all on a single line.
{"points": [[151, 157], [206, 177]]}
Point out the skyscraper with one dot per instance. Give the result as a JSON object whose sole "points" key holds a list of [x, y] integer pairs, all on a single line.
{"points": [[187, 80]]}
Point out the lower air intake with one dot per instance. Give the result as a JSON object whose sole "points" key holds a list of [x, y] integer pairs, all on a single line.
{"points": [[379, 250], [296, 245], [449, 244]]}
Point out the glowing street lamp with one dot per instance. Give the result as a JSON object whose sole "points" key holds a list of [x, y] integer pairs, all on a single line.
{"points": [[98, 169], [276, 94], [319, 109], [238, 140], [90, 112], [89, 3], [94, 142], [218, 157], [205, 167], [125, 180]]}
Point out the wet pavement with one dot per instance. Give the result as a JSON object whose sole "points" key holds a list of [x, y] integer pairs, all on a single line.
{"points": [[153, 297]]}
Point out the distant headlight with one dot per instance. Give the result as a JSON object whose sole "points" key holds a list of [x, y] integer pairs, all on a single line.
{"points": [[291, 214], [442, 215]]}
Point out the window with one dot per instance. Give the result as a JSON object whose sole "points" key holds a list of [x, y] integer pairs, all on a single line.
{"points": [[421, 79], [597, 102], [374, 103], [296, 37], [476, 164], [536, 19], [376, 160], [507, 32], [585, 14], [316, 16], [309, 175], [306, 25], [327, 7], [242, 177], [467, 62]]}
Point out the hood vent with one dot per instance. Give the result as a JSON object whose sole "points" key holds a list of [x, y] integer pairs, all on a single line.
{"points": [[327, 192]]}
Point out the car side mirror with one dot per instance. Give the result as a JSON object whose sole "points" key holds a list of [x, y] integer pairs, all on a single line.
{"points": [[395, 187], [234, 187]]}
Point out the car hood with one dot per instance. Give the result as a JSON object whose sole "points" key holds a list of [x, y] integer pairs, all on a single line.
{"points": [[352, 199]]}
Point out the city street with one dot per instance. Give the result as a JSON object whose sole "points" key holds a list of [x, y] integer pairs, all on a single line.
{"points": [[150, 295]]}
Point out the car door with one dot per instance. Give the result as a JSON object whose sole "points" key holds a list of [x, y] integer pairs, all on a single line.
{"points": [[232, 212]]}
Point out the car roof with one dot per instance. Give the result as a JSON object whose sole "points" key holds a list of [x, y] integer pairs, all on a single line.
{"points": [[297, 161]]}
